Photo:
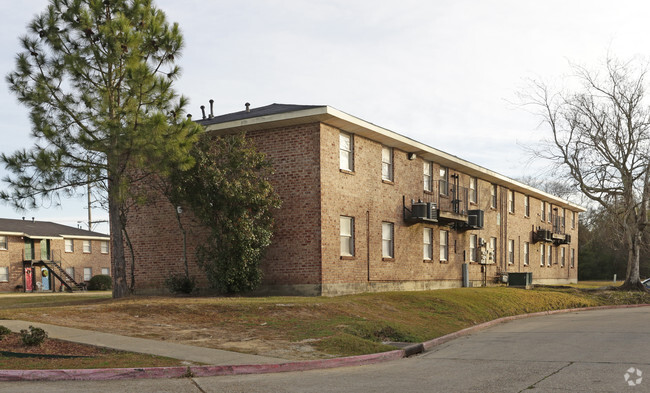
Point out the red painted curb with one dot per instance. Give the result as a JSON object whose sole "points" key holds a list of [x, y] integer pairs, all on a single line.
{"points": [[209, 371]]}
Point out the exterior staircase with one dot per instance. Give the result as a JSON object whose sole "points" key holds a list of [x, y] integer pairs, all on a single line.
{"points": [[67, 280]]}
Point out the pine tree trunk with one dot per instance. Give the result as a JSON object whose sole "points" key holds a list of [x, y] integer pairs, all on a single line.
{"points": [[118, 261]]}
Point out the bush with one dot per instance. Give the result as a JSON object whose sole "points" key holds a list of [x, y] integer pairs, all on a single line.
{"points": [[4, 331], [180, 284], [100, 282], [33, 337]]}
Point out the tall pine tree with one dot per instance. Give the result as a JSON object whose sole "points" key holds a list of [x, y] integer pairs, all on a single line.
{"points": [[97, 78]]}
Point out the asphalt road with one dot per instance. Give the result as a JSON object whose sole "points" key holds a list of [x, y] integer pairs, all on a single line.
{"points": [[589, 351]]}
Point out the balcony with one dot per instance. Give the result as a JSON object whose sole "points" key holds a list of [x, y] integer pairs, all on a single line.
{"points": [[452, 202], [553, 233]]}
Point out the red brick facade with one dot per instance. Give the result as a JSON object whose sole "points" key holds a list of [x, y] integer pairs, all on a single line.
{"points": [[305, 254]]}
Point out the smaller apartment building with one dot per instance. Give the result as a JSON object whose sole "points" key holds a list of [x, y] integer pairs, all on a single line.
{"points": [[44, 256], [367, 209]]}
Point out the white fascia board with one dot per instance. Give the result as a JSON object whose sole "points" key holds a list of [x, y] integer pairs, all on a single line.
{"points": [[354, 125], [85, 237], [12, 234]]}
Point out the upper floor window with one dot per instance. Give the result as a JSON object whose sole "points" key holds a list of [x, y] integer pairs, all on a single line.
{"points": [[473, 193], [104, 247], [69, 245], [573, 220], [387, 163], [347, 236], [493, 196], [543, 211], [428, 176], [346, 152], [444, 242], [444, 181], [387, 240], [87, 247], [527, 206], [511, 201], [3, 243], [427, 244]]}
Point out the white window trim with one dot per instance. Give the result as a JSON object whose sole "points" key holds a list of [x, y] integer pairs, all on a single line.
{"points": [[346, 231], [473, 239], [542, 256], [444, 246], [65, 246], [526, 206], [89, 275], [511, 201], [473, 190], [427, 244], [387, 237], [526, 253], [349, 152], [427, 169], [90, 247], [4, 270], [387, 162], [511, 252], [493, 196], [101, 246], [549, 257], [444, 180]]}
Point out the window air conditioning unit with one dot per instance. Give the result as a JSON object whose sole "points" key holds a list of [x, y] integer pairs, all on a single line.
{"points": [[475, 219]]}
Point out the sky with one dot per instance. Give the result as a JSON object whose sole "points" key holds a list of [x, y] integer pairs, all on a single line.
{"points": [[445, 73]]}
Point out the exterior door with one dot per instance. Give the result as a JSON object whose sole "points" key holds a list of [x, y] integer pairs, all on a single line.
{"points": [[45, 279], [29, 283]]}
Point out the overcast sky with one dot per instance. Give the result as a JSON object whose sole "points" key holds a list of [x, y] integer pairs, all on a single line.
{"points": [[442, 72]]}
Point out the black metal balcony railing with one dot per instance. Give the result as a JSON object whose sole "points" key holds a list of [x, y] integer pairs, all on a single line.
{"points": [[557, 223], [453, 198]]}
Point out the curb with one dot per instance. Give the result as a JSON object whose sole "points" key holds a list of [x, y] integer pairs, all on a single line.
{"points": [[211, 371]]}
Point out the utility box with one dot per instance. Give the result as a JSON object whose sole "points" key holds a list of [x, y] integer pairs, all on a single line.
{"points": [[520, 280]]}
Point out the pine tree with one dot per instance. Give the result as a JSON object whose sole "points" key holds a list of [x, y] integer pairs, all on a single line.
{"points": [[97, 78]]}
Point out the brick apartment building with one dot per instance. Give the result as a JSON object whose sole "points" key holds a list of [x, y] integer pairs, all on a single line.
{"points": [[44, 256], [367, 209]]}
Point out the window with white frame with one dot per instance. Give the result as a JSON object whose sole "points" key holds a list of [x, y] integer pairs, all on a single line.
{"points": [[493, 196], [88, 273], [106, 271], [527, 206], [4, 274], [444, 181], [104, 247], [541, 255], [427, 244], [387, 240], [69, 245], [473, 251], [444, 244], [526, 253], [511, 251], [3, 242], [428, 175], [473, 193], [347, 236], [573, 220], [493, 246], [70, 271], [573, 257], [562, 256], [387, 163], [543, 211], [346, 151], [87, 247], [550, 214], [550, 255], [511, 201]]}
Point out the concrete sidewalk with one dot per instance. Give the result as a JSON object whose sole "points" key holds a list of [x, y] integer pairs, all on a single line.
{"points": [[189, 353]]}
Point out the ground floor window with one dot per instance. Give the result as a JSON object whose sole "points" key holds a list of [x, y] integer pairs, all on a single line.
{"points": [[444, 241], [573, 257], [88, 273], [526, 252], [511, 251], [541, 255], [427, 244], [550, 255], [562, 256], [106, 271], [4, 274], [70, 271], [347, 236], [387, 240]]}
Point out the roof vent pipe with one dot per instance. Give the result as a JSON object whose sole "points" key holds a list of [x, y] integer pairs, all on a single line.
{"points": [[32, 219], [211, 108], [189, 116], [248, 106], [203, 110]]}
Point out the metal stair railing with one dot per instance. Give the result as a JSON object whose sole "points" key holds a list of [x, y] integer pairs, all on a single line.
{"points": [[63, 276]]}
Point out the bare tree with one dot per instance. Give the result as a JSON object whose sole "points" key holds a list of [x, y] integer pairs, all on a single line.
{"points": [[600, 137]]}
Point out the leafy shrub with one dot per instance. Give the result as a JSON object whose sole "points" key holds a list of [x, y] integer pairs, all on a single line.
{"points": [[100, 282], [180, 284], [4, 331], [33, 337]]}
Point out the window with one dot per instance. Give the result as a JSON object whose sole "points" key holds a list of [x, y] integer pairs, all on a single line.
{"points": [[573, 220], [347, 236], [573, 257], [541, 255], [387, 240], [493, 246], [70, 271], [472, 248], [86, 247], [346, 152], [444, 181], [88, 273], [106, 271], [550, 255], [543, 211], [427, 244], [69, 245], [104, 247], [511, 251], [4, 274], [387, 163], [511, 201], [526, 252], [562, 257], [493, 196], [3, 242], [527, 206], [444, 241], [548, 216], [428, 176], [473, 194]]}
